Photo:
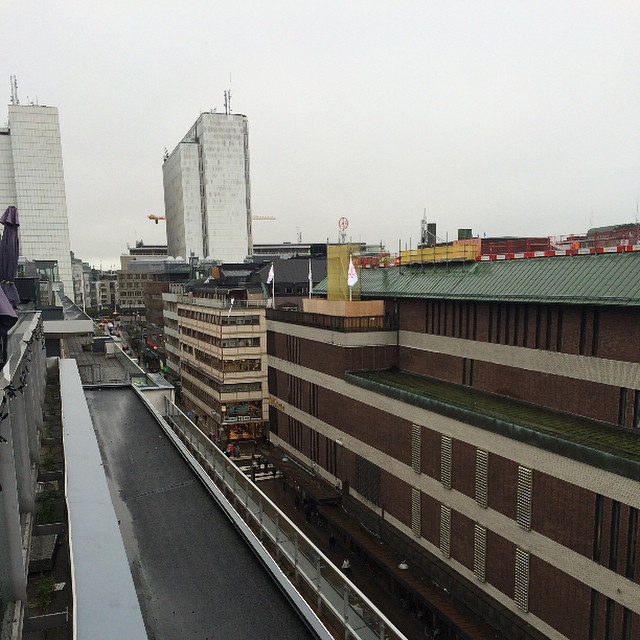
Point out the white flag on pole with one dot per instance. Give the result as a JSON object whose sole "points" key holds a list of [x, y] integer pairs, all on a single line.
{"points": [[230, 307], [310, 279], [352, 276], [270, 276]]}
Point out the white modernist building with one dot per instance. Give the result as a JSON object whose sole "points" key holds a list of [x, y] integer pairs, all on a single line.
{"points": [[207, 194], [32, 179]]}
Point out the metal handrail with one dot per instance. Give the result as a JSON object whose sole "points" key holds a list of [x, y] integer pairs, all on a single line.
{"points": [[307, 569]]}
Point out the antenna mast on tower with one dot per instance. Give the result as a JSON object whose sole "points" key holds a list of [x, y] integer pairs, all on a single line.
{"points": [[14, 90]]}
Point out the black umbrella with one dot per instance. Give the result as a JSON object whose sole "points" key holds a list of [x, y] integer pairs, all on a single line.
{"points": [[9, 296], [9, 252]]}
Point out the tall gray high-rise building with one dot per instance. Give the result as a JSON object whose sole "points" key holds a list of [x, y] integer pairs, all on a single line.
{"points": [[207, 195], [32, 179]]}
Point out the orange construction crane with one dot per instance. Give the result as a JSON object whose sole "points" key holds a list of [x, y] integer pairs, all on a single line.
{"points": [[156, 218]]}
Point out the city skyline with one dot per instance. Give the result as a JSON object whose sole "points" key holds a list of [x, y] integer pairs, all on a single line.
{"points": [[506, 119]]}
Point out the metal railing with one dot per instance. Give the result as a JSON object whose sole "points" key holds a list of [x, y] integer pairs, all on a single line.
{"points": [[334, 599]]}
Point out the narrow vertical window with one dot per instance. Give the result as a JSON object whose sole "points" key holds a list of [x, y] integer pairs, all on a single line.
{"points": [[583, 332], [597, 528], [416, 448], [416, 512], [622, 406], [593, 618], [559, 330], [614, 534], [609, 618], [521, 590], [445, 530], [524, 497], [536, 343], [596, 332], [632, 543], [636, 410], [482, 468], [626, 624], [445, 462], [479, 552]]}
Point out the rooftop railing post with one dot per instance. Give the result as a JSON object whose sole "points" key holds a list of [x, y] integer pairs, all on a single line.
{"points": [[345, 610], [318, 580], [295, 556]]}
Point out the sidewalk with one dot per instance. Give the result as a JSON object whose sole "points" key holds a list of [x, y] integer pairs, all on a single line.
{"points": [[400, 594], [361, 574]]}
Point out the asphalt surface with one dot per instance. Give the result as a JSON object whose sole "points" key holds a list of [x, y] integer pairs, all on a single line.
{"points": [[194, 574]]}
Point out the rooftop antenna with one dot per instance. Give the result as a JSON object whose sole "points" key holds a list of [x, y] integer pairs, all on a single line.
{"points": [[423, 228], [227, 98], [14, 90]]}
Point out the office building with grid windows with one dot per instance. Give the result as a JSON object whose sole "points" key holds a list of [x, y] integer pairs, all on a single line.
{"points": [[207, 192], [32, 179]]}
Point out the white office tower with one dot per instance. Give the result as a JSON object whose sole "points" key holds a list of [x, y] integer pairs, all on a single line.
{"points": [[32, 179], [207, 195]]}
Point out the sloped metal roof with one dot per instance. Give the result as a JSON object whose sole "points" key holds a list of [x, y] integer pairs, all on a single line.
{"points": [[603, 279]]}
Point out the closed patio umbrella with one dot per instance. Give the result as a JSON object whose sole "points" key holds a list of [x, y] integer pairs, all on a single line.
{"points": [[9, 296], [9, 252]]}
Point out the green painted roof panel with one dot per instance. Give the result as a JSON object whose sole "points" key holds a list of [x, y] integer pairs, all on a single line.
{"points": [[604, 279]]}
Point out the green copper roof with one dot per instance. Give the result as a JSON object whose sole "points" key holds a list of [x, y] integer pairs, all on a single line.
{"points": [[604, 279]]}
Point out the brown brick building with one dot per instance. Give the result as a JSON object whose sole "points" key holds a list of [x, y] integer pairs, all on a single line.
{"points": [[483, 418]]}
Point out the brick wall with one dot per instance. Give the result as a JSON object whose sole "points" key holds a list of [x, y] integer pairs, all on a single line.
{"points": [[500, 569], [502, 485], [463, 468], [462, 539], [568, 607], [563, 512]]}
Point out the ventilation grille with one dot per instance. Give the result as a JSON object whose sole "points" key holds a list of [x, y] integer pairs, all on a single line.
{"points": [[521, 591], [416, 512], [482, 469], [445, 462], [523, 505], [416, 448], [479, 552], [445, 530]]}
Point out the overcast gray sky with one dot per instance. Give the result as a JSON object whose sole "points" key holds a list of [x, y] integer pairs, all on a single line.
{"points": [[508, 117]]}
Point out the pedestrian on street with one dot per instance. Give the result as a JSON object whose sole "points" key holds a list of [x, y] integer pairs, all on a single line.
{"points": [[346, 566], [332, 542]]}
